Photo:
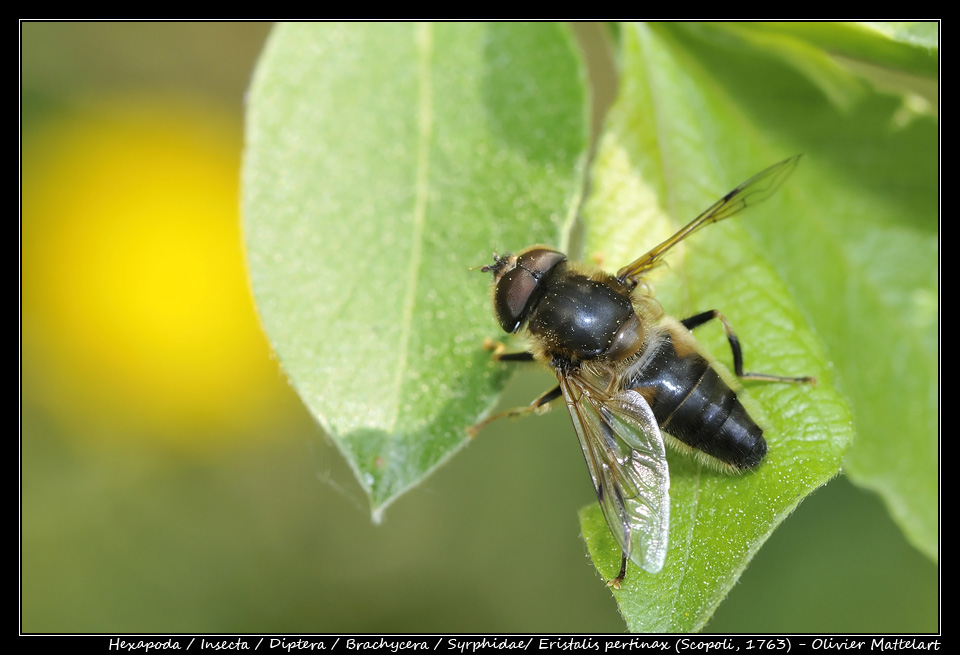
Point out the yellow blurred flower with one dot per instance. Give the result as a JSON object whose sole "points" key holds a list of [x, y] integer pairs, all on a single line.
{"points": [[136, 313]]}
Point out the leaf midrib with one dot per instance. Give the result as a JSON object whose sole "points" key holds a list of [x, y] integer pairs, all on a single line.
{"points": [[424, 47]]}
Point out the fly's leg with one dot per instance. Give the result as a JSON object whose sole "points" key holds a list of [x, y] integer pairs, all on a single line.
{"points": [[513, 357], [700, 319], [538, 406], [615, 583], [500, 352]]}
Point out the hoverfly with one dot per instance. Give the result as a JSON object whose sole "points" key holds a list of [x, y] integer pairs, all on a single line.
{"points": [[629, 374]]}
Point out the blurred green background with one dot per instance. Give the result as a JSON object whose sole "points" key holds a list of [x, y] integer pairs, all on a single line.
{"points": [[172, 482]]}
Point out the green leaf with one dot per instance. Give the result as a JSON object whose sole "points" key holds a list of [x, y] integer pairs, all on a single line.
{"points": [[383, 161], [910, 47], [834, 276], [844, 59]]}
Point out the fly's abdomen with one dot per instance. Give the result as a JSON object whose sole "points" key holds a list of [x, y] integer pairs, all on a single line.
{"points": [[693, 404]]}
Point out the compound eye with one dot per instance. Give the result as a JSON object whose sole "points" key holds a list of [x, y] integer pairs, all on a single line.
{"points": [[511, 297], [518, 288], [539, 260]]}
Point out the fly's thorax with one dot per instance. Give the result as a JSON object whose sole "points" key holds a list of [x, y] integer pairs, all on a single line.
{"points": [[583, 318]]}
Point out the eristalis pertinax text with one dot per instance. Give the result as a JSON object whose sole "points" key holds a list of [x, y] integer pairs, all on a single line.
{"points": [[630, 375]]}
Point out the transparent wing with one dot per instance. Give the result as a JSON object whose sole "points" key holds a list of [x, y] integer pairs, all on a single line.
{"points": [[624, 450], [757, 189]]}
